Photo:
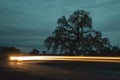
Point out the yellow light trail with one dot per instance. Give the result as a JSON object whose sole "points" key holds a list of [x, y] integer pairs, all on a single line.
{"points": [[66, 58]]}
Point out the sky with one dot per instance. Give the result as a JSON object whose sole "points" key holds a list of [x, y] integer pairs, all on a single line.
{"points": [[25, 24]]}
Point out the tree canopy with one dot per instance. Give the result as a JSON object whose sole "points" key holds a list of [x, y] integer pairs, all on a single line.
{"points": [[75, 35]]}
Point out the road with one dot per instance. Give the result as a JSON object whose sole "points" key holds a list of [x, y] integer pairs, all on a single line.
{"points": [[59, 70]]}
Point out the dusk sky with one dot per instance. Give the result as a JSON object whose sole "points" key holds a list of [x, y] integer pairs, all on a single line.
{"points": [[25, 24]]}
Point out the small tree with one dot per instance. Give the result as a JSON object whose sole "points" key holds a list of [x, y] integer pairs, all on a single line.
{"points": [[75, 35], [34, 52]]}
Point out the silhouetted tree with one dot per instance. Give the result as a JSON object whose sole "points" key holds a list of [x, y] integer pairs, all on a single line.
{"points": [[6, 51], [75, 35], [44, 52], [9, 50], [34, 52], [115, 50]]}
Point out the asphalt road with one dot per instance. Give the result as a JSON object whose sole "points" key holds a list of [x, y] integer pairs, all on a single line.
{"points": [[59, 70]]}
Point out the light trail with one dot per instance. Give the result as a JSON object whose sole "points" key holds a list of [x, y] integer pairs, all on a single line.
{"points": [[66, 58]]}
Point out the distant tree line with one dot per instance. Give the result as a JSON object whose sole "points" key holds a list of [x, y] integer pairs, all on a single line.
{"points": [[5, 51], [13, 50]]}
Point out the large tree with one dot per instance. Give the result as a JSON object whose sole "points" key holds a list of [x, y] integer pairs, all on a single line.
{"points": [[76, 35]]}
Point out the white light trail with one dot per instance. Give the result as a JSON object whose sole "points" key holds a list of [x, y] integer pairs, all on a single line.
{"points": [[66, 58]]}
